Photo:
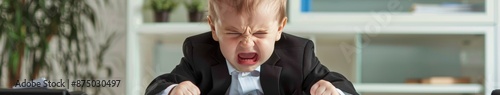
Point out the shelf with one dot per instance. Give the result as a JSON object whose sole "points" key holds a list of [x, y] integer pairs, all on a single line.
{"points": [[395, 17], [322, 29], [418, 88], [173, 28], [194, 28]]}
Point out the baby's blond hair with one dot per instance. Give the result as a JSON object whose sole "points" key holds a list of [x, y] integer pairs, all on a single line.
{"points": [[247, 6]]}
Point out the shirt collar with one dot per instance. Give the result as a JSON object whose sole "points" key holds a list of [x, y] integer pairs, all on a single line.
{"points": [[231, 69]]}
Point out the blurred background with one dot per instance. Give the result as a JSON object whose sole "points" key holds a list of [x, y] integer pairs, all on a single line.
{"points": [[63, 39], [385, 47]]}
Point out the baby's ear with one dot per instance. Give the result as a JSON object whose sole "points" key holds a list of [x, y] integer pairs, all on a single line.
{"points": [[212, 28], [281, 27]]}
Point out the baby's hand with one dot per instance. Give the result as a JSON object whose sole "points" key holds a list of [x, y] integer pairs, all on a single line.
{"points": [[323, 87], [185, 88]]}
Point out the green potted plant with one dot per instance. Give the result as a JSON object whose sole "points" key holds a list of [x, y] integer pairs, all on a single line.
{"points": [[162, 9], [29, 27], [195, 9]]}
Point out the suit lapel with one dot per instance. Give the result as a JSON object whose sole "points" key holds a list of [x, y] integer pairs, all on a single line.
{"points": [[270, 76], [220, 75], [220, 79]]}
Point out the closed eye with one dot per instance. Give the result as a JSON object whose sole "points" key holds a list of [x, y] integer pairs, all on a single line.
{"points": [[232, 33], [260, 32]]}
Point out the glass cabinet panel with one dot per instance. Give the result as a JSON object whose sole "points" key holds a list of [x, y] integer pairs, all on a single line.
{"points": [[411, 58]]}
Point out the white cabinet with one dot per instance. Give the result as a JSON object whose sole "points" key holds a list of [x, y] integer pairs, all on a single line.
{"points": [[378, 62]]}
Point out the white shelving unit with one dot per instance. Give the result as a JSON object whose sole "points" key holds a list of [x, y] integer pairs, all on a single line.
{"points": [[133, 65], [418, 88], [490, 73], [313, 25], [497, 45]]}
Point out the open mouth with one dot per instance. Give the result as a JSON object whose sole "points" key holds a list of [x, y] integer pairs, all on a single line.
{"points": [[248, 58]]}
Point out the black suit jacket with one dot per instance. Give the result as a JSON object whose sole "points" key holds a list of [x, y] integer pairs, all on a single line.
{"points": [[291, 70]]}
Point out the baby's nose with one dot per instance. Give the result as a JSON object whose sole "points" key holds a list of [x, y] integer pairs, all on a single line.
{"points": [[247, 42]]}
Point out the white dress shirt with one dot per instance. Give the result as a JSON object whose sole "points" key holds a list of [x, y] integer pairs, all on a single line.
{"points": [[242, 83]]}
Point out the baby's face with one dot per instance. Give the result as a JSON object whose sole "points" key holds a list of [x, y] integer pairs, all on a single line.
{"points": [[247, 39]]}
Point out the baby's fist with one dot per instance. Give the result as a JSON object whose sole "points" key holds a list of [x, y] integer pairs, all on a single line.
{"points": [[323, 87], [185, 88]]}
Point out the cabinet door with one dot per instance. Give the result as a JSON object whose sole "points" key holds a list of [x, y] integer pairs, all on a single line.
{"points": [[396, 58]]}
